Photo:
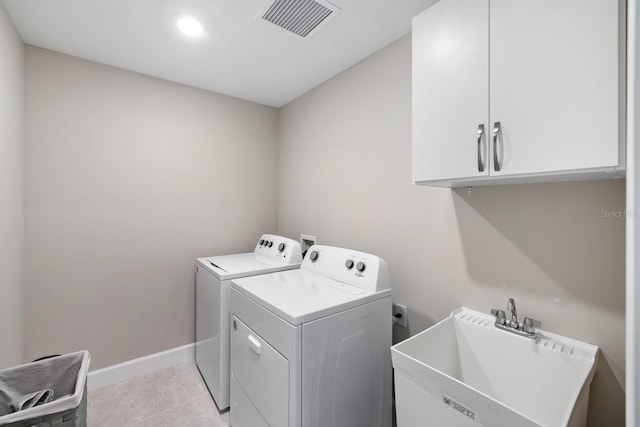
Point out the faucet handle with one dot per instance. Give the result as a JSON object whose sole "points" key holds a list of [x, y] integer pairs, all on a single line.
{"points": [[500, 316], [529, 325]]}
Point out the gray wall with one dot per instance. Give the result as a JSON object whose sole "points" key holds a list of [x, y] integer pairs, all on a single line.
{"points": [[344, 175], [128, 179], [11, 193]]}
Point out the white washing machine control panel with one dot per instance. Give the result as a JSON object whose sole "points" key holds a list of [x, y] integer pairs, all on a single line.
{"points": [[354, 268], [281, 248]]}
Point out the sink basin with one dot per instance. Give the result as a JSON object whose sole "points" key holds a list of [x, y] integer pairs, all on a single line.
{"points": [[464, 371]]}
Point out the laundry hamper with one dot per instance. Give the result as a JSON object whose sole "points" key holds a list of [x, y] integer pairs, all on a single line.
{"points": [[60, 380]]}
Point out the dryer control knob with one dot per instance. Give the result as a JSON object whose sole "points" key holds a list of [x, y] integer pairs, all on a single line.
{"points": [[349, 264], [314, 256], [281, 247], [360, 267]]}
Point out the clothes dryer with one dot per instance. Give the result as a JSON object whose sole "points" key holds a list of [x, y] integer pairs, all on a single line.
{"points": [[213, 281], [311, 347]]}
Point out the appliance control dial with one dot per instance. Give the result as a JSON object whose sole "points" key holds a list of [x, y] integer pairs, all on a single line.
{"points": [[281, 247], [360, 266], [270, 244], [314, 256], [349, 264], [261, 242]]}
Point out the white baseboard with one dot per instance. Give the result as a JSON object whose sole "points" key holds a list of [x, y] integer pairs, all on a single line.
{"points": [[140, 366]]}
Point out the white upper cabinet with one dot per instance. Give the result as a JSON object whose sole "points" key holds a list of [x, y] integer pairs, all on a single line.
{"points": [[450, 90], [508, 91]]}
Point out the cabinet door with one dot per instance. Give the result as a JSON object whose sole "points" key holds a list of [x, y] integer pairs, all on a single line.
{"points": [[450, 90], [554, 84]]}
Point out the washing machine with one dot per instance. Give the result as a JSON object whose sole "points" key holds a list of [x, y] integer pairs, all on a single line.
{"points": [[213, 282], [311, 347]]}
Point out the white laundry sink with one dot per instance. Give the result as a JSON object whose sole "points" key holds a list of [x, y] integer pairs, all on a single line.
{"points": [[464, 371]]}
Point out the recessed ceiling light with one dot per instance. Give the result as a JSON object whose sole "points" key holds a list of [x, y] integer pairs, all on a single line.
{"points": [[189, 25]]}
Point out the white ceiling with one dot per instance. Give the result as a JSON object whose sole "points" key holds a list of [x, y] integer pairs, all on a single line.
{"points": [[238, 55]]}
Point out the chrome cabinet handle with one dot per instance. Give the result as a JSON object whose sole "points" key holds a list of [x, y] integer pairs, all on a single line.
{"points": [[496, 131], [480, 134]]}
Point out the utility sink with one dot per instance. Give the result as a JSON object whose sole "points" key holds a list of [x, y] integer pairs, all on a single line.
{"points": [[464, 371]]}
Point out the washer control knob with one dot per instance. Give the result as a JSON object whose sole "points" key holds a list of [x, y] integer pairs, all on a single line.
{"points": [[261, 242], [314, 256], [360, 267], [349, 264], [270, 244], [281, 247]]}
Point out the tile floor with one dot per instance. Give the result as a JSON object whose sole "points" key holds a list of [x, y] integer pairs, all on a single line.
{"points": [[174, 396]]}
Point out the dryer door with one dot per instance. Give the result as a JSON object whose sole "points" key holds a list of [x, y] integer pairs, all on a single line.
{"points": [[261, 373]]}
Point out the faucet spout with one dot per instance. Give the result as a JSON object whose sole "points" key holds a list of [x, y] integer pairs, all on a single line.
{"points": [[511, 308]]}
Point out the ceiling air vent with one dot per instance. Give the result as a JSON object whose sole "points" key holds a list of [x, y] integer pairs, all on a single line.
{"points": [[300, 17]]}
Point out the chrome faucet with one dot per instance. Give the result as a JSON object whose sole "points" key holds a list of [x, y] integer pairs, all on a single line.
{"points": [[526, 329]]}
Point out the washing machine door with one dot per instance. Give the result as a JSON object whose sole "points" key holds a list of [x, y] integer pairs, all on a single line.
{"points": [[261, 373]]}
